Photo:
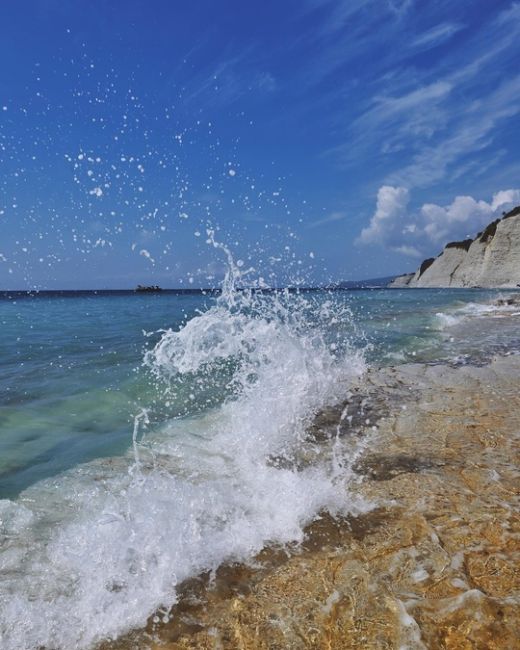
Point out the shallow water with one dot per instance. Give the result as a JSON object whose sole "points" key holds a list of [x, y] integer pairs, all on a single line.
{"points": [[147, 438]]}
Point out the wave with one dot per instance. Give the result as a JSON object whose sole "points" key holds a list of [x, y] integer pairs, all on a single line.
{"points": [[92, 553], [503, 305]]}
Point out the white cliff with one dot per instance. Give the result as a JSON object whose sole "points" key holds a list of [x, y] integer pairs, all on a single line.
{"points": [[492, 259]]}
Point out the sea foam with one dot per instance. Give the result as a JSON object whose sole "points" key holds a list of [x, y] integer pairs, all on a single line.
{"points": [[92, 553]]}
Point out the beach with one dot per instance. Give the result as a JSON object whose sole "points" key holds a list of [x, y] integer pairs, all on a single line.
{"points": [[304, 470], [259, 325], [435, 563]]}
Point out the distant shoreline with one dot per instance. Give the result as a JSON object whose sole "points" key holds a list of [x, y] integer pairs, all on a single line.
{"points": [[74, 293], [71, 293]]}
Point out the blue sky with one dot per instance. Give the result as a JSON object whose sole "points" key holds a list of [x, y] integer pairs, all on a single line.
{"points": [[322, 139]]}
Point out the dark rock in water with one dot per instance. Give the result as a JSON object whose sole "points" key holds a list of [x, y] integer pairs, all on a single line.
{"points": [[507, 302], [149, 289], [381, 467]]}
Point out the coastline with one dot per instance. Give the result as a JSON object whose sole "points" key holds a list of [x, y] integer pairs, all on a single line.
{"points": [[434, 564]]}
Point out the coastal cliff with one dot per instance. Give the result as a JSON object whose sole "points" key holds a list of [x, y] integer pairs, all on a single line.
{"points": [[490, 260]]}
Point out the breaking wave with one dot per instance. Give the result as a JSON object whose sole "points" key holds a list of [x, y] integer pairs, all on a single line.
{"points": [[92, 553]]}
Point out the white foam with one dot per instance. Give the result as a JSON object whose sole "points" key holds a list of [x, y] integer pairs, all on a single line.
{"points": [[472, 310], [93, 553], [445, 320]]}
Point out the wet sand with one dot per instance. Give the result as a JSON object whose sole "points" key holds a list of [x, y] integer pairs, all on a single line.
{"points": [[435, 563]]}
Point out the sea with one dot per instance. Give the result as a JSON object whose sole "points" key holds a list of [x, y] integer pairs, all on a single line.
{"points": [[148, 437]]}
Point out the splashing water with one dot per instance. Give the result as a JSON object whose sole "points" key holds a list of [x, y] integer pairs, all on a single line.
{"points": [[94, 552]]}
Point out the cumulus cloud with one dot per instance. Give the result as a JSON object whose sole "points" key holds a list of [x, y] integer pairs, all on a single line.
{"points": [[464, 212], [464, 215], [416, 233], [505, 197], [392, 203]]}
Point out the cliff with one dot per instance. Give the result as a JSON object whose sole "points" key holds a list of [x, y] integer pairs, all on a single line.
{"points": [[490, 260]]}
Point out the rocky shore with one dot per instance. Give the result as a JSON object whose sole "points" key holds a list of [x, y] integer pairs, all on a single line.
{"points": [[434, 564]]}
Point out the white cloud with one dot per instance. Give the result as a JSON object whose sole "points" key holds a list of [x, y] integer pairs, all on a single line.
{"points": [[436, 35], [417, 233], [335, 14], [474, 132], [343, 30], [388, 108], [391, 206], [399, 7], [334, 216], [229, 80], [420, 124], [505, 197], [463, 214], [409, 251]]}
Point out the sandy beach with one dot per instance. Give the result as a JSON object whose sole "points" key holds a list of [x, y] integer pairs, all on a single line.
{"points": [[435, 562]]}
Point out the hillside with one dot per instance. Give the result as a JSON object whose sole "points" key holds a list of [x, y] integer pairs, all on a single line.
{"points": [[490, 260]]}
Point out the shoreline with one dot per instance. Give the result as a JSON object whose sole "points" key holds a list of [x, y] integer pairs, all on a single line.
{"points": [[435, 563]]}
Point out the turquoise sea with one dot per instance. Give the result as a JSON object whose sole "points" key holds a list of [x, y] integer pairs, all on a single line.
{"points": [[138, 431]]}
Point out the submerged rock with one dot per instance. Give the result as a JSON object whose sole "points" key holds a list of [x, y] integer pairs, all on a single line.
{"points": [[509, 301]]}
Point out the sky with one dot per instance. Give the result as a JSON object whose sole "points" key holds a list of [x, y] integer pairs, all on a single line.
{"points": [[319, 140]]}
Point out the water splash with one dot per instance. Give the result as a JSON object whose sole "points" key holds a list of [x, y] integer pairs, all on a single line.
{"points": [[93, 553]]}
